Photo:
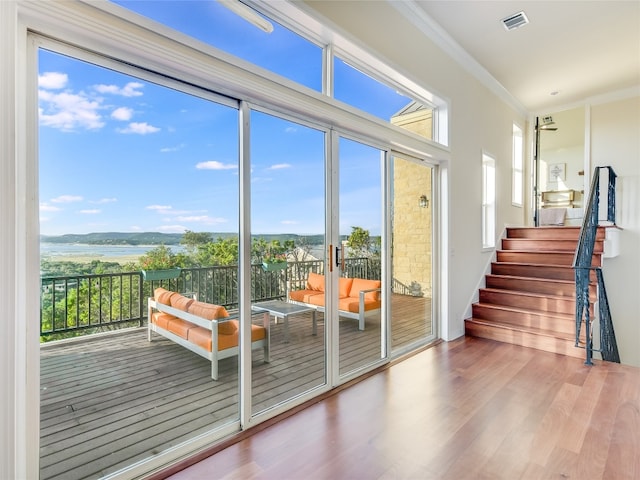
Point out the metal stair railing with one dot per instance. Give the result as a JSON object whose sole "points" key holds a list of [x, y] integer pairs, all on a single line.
{"points": [[582, 265]]}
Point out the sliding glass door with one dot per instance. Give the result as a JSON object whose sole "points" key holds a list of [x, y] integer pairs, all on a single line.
{"points": [[287, 253], [359, 320]]}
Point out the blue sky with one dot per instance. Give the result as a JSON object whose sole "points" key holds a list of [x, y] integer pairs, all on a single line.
{"points": [[117, 153]]}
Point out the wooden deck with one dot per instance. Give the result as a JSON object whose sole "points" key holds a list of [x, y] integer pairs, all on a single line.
{"points": [[112, 400]]}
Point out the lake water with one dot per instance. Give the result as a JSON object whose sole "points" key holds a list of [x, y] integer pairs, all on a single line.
{"points": [[82, 250]]}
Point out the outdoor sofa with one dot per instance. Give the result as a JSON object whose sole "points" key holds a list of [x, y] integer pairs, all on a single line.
{"points": [[198, 326], [357, 297]]}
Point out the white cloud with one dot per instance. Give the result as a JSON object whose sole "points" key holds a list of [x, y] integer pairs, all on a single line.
{"points": [[172, 149], [44, 207], [123, 113], [131, 89], [53, 80], [164, 209], [92, 211], [105, 200], [290, 130], [215, 165], [280, 166], [67, 199], [139, 128], [289, 222], [69, 111], [135, 228]]}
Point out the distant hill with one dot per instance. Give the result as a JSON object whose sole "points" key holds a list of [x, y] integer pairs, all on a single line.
{"points": [[157, 238]]}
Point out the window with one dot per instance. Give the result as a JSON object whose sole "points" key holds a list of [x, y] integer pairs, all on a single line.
{"points": [[488, 201], [517, 175]]}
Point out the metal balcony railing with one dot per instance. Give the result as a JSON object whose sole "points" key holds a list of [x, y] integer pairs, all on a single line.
{"points": [[82, 304]]}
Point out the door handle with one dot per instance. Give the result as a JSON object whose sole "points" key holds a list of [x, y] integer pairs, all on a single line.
{"points": [[338, 251]]}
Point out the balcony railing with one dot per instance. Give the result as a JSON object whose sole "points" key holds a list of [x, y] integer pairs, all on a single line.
{"points": [[81, 304]]}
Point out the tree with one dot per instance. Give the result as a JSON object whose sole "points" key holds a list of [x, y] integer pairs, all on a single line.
{"points": [[359, 242], [193, 240], [160, 258]]}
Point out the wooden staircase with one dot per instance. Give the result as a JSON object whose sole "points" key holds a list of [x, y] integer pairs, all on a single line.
{"points": [[529, 298]]}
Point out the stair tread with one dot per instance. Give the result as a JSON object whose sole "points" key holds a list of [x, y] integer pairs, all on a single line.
{"points": [[539, 279], [522, 328], [527, 293], [530, 264], [543, 313]]}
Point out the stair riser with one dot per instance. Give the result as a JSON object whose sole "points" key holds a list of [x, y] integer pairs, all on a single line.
{"points": [[525, 339], [513, 299], [535, 285], [545, 245], [536, 271], [550, 233], [541, 258], [525, 319]]}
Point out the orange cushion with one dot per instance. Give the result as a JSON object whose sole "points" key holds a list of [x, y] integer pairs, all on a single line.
{"points": [[161, 319], [344, 286], [352, 305], [317, 299], [228, 328], [202, 337], [302, 295], [162, 295], [361, 284], [180, 302], [207, 310], [179, 327], [315, 281]]}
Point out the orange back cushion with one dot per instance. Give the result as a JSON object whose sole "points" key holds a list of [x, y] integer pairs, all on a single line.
{"points": [[162, 295], [207, 310], [315, 281], [361, 284], [180, 302], [344, 287]]}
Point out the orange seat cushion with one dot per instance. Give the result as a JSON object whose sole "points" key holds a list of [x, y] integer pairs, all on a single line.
{"points": [[179, 327], [360, 284], [161, 319], [202, 337], [315, 281], [352, 305], [303, 295], [317, 299], [207, 310]]}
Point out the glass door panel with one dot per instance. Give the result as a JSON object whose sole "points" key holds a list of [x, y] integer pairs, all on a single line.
{"points": [[288, 243], [121, 154], [361, 327], [411, 255]]}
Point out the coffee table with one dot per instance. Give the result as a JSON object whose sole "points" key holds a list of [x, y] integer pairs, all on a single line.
{"points": [[284, 310]]}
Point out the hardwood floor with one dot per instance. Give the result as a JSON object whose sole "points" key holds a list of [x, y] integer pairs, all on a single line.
{"points": [[108, 401], [468, 409]]}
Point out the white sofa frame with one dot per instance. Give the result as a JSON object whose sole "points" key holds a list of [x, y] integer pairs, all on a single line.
{"points": [[360, 316], [212, 325]]}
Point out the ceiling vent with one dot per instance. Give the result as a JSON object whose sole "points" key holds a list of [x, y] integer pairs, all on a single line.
{"points": [[514, 21]]}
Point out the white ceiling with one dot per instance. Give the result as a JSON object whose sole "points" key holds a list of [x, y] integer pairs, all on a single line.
{"points": [[579, 49]]}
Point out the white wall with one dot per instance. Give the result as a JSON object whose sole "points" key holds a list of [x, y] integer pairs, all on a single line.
{"points": [[615, 141], [479, 121]]}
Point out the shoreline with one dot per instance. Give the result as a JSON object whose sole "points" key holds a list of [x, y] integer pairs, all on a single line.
{"points": [[88, 258]]}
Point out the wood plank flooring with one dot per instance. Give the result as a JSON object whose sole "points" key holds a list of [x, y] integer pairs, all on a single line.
{"points": [[112, 400], [468, 409]]}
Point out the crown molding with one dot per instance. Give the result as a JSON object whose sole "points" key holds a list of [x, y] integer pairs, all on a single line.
{"points": [[432, 30]]}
